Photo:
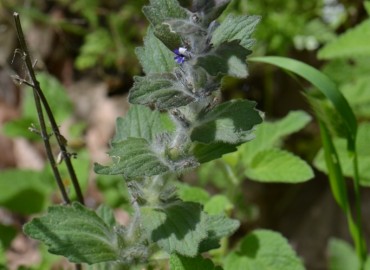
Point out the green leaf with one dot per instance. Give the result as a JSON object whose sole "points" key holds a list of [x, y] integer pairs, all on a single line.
{"points": [[271, 134], [346, 161], [325, 85], [275, 165], [207, 152], [263, 250], [154, 56], [353, 43], [106, 214], [218, 226], [210, 10], [139, 122], [177, 227], [163, 91], [342, 256], [218, 204], [230, 122], [7, 234], [76, 233], [20, 128], [228, 58], [192, 194], [169, 38], [178, 262], [161, 10], [358, 95], [23, 191], [238, 28], [132, 158]]}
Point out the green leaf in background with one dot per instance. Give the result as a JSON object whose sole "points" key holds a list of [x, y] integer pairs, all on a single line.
{"points": [[164, 91], [238, 28], [179, 227], [161, 10], [154, 56], [231, 122], [7, 234], [271, 134], [342, 256], [346, 161], [114, 191], [178, 262], [263, 250], [358, 95], [139, 122], [353, 43], [218, 204], [189, 193], [132, 158], [275, 165], [20, 128], [76, 233], [23, 191], [229, 58]]}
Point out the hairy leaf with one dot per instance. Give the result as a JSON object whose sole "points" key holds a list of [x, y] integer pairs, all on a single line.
{"points": [[161, 10], [228, 58], [238, 28], [353, 43], [178, 227], [139, 122], [164, 91], [230, 122], [342, 256], [207, 152], [210, 10], [178, 262], [218, 204], [275, 165], [263, 250], [155, 57], [133, 158], [169, 38], [189, 193], [75, 232]]}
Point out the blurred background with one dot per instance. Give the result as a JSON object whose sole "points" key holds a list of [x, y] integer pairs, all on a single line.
{"points": [[85, 53]]}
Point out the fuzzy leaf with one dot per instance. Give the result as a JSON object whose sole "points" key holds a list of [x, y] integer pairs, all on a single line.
{"points": [[218, 204], [218, 226], [207, 152], [230, 122], [275, 165], [342, 256], [178, 262], [353, 43], [133, 158], [139, 122], [178, 227], [169, 38], [161, 10], [227, 58], [271, 134], [346, 161], [210, 10], [189, 193], [263, 250], [164, 91], [238, 28], [155, 57], [107, 215], [76, 233]]}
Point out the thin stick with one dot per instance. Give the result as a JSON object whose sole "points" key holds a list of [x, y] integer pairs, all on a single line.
{"points": [[36, 87]]}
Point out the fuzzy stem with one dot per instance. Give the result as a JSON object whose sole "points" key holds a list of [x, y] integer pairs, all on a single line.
{"points": [[40, 95]]}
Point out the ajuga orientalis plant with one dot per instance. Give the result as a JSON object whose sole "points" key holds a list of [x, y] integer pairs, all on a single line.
{"points": [[177, 121]]}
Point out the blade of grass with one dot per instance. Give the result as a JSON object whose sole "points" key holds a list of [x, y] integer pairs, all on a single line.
{"points": [[337, 181]]}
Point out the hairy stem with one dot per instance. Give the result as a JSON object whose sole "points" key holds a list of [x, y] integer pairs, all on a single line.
{"points": [[41, 98]]}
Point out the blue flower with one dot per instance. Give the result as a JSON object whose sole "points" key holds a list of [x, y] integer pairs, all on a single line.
{"points": [[180, 55]]}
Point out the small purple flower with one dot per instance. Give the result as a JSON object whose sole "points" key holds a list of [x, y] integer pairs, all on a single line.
{"points": [[180, 55]]}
